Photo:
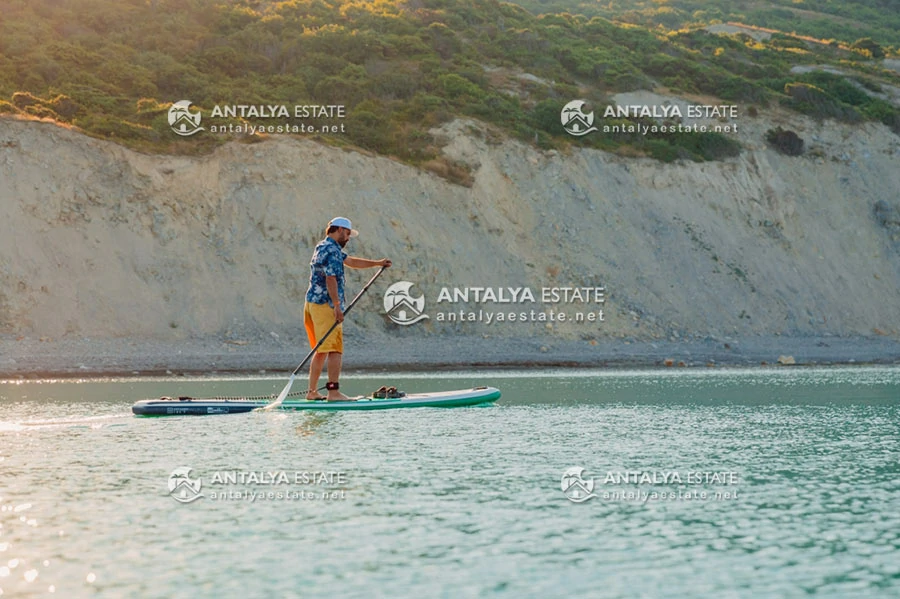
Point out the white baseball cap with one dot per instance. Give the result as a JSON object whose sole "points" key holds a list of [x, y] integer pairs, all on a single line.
{"points": [[345, 223]]}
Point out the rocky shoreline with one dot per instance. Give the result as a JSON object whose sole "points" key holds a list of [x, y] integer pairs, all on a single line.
{"points": [[24, 358]]}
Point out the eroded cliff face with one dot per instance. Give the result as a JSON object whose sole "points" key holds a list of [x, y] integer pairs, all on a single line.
{"points": [[100, 241]]}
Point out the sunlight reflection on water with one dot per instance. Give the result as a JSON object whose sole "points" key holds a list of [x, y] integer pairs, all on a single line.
{"points": [[463, 502]]}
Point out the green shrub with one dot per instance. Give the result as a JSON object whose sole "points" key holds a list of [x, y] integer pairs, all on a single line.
{"points": [[65, 107], [817, 103], [546, 116], [707, 146], [868, 47], [149, 105], [838, 87], [115, 128], [7, 108], [368, 130], [337, 90], [23, 100], [785, 141], [455, 86], [42, 112], [661, 150]]}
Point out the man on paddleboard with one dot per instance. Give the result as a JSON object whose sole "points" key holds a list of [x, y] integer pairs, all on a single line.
{"points": [[325, 304]]}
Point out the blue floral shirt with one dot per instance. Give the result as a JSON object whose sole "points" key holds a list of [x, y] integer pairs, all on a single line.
{"points": [[327, 261]]}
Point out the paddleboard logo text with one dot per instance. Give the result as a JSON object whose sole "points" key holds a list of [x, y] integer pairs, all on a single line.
{"points": [[575, 487], [401, 307], [182, 487], [182, 121]]}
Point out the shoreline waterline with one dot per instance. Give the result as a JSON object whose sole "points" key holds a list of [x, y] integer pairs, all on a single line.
{"points": [[79, 358], [505, 372]]}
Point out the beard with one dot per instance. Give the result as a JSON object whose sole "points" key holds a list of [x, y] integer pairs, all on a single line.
{"points": [[343, 243]]}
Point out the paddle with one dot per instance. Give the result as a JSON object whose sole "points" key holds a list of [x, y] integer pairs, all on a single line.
{"points": [[287, 388]]}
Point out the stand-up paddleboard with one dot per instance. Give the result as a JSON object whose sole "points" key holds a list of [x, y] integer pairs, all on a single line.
{"points": [[190, 406]]}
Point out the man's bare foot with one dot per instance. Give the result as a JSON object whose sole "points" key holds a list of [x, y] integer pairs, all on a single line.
{"points": [[313, 394], [337, 396]]}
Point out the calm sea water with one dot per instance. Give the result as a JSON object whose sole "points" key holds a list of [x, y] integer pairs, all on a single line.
{"points": [[763, 483]]}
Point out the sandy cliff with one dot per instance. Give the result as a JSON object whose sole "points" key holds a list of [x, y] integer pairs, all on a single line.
{"points": [[99, 241]]}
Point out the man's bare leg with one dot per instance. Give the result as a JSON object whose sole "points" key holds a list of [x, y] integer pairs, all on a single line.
{"points": [[335, 360], [315, 371]]}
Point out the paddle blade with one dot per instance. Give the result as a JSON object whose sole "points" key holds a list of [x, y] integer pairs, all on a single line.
{"points": [[281, 396]]}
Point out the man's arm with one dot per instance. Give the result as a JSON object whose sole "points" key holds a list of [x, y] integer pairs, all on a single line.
{"points": [[354, 262], [332, 287]]}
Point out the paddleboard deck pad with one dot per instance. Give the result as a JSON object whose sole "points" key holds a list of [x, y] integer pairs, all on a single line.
{"points": [[191, 406]]}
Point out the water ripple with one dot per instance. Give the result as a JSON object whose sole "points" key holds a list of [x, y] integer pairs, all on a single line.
{"points": [[465, 503]]}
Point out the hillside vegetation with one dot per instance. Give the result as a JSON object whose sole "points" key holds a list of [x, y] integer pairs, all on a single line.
{"points": [[113, 68], [840, 20]]}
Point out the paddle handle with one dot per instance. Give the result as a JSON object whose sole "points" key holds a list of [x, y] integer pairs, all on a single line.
{"points": [[334, 326]]}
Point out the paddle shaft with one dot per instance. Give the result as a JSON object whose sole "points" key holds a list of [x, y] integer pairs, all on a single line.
{"points": [[334, 326]]}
